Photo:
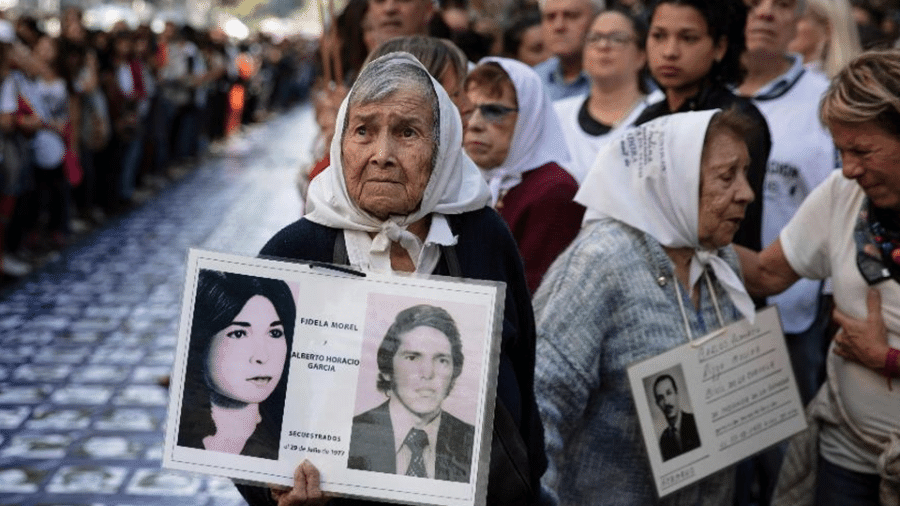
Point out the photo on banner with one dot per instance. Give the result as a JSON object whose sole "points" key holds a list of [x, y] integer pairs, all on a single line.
{"points": [[710, 403], [386, 383]]}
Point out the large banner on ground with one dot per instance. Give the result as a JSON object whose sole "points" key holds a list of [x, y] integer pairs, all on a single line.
{"points": [[386, 383]]}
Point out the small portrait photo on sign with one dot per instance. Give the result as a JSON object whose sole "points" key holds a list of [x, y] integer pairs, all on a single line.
{"points": [[672, 412], [235, 383], [419, 373]]}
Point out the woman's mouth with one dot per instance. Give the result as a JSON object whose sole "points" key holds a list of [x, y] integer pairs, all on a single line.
{"points": [[668, 71], [260, 381]]}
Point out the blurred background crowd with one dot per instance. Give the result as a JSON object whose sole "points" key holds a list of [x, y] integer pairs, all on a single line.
{"points": [[95, 119]]}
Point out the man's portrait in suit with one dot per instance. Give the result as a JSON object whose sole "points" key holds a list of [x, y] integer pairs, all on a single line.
{"points": [[680, 435], [419, 360]]}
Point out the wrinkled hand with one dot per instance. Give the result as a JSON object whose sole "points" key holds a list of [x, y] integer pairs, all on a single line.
{"points": [[863, 341], [306, 490]]}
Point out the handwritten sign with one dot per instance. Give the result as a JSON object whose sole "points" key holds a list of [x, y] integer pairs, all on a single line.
{"points": [[278, 362], [709, 404]]}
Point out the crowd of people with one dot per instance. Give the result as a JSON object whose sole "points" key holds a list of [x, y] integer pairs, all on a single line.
{"points": [[662, 169], [94, 121], [637, 175]]}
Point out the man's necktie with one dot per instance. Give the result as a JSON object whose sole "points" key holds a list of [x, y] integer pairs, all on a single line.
{"points": [[416, 440]]}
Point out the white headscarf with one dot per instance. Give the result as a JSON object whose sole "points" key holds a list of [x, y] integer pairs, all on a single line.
{"points": [[456, 185], [649, 178], [538, 138]]}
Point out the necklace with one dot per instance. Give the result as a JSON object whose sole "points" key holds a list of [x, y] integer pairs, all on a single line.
{"points": [[887, 240]]}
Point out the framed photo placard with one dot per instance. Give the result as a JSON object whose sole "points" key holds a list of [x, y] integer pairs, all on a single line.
{"points": [[708, 404], [386, 383]]}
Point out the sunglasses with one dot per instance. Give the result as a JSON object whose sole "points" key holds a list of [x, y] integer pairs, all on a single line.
{"points": [[493, 113]]}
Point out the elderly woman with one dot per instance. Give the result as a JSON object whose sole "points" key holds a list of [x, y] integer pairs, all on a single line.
{"points": [[614, 59], [401, 196], [655, 269], [515, 139], [443, 60], [848, 229]]}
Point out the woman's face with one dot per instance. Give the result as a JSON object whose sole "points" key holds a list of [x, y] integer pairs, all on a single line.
{"points": [[453, 85], [387, 151], [680, 49], [246, 358], [488, 137], [810, 39], [869, 154], [611, 51], [724, 190], [45, 50], [532, 49]]}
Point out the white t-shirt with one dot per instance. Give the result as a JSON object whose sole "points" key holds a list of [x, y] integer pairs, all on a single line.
{"points": [[582, 145], [802, 156], [818, 243], [9, 97]]}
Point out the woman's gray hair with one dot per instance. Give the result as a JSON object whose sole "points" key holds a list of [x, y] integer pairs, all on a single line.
{"points": [[384, 77]]}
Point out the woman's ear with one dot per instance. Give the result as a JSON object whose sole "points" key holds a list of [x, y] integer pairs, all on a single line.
{"points": [[641, 61], [721, 48]]}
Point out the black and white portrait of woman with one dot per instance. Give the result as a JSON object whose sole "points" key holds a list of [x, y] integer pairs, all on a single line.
{"points": [[236, 375]]}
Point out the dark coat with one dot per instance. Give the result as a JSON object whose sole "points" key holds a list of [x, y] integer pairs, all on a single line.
{"points": [[372, 445], [690, 439]]}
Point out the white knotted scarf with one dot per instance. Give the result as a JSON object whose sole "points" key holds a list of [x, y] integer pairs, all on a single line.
{"points": [[649, 178], [456, 185], [538, 137]]}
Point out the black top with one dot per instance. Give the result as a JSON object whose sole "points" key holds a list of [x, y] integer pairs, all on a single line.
{"points": [[587, 122], [485, 250], [759, 143]]}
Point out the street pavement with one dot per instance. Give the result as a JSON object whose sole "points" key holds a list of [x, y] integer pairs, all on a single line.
{"points": [[85, 340]]}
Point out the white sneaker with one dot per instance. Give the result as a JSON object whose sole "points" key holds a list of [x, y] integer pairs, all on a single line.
{"points": [[14, 267]]}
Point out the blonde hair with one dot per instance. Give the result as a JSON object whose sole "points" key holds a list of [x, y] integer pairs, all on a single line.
{"points": [[867, 89], [843, 42]]}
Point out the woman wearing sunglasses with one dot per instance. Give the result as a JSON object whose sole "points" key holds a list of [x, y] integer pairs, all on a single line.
{"points": [[514, 137]]}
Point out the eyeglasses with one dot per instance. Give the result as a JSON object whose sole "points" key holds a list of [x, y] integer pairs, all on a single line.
{"points": [[493, 113], [615, 39]]}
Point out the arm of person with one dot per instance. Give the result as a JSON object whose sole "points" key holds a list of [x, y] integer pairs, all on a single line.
{"points": [[766, 272], [865, 341]]}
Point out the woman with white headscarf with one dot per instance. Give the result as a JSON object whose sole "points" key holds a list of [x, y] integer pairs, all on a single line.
{"points": [[514, 137], [401, 196], [655, 270]]}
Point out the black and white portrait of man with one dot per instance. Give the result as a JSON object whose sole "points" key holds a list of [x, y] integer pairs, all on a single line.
{"points": [[419, 361], [680, 433]]}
